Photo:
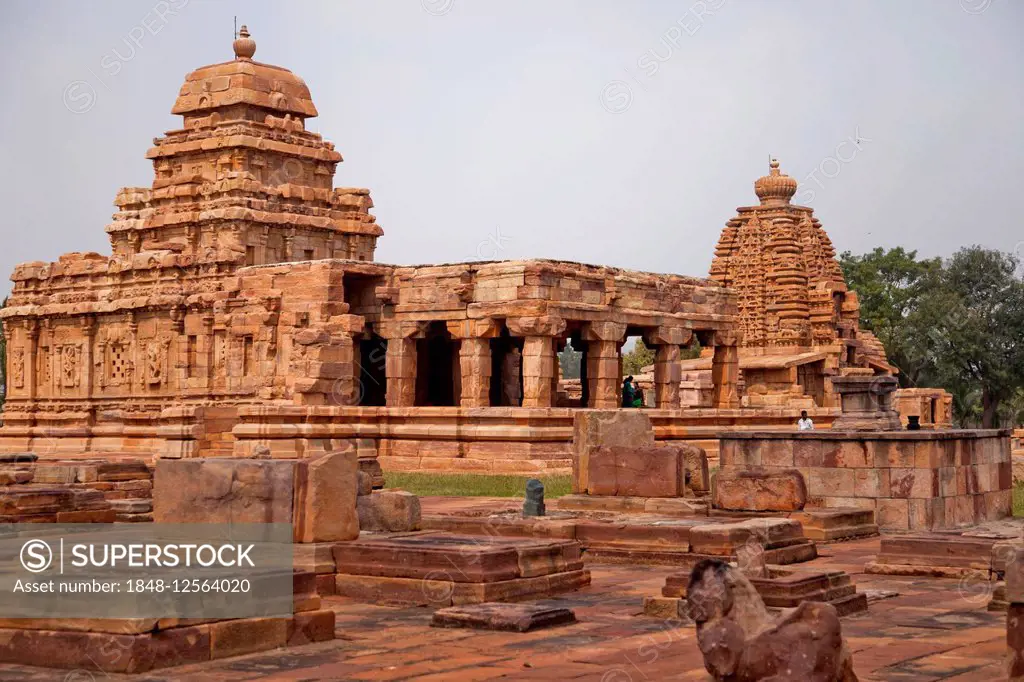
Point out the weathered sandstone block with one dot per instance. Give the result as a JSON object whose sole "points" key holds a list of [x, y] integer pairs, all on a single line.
{"points": [[650, 471], [759, 489], [595, 428], [329, 504], [224, 491], [389, 511], [317, 496]]}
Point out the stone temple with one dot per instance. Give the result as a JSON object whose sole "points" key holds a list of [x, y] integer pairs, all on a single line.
{"points": [[241, 306]]}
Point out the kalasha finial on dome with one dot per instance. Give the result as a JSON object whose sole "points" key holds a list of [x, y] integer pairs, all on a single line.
{"points": [[776, 188], [245, 47]]}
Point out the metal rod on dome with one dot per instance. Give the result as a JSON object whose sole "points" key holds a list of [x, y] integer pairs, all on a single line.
{"points": [[236, 27]]}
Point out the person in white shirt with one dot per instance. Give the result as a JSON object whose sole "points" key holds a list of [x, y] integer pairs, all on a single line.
{"points": [[804, 423]]}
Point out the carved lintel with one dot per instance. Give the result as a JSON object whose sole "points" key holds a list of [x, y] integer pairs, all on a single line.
{"points": [[485, 328], [727, 337], [668, 336], [542, 325], [403, 329], [604, 331]]}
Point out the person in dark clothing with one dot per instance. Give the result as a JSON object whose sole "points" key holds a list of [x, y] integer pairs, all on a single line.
{"points": [[628, 392]]}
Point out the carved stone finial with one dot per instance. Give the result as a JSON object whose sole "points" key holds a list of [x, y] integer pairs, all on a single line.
{"points": [[244, 46], [776, 188]]}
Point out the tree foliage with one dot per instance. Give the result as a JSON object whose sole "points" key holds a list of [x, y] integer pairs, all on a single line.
{"points": [[636, 359], [890, 285], [953, 323]]}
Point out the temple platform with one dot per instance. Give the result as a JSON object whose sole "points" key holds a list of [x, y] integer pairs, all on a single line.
{"points": [[441, 569]]}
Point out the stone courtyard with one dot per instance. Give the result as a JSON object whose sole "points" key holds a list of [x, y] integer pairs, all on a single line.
{"points": [[241, 358], [916, 629]]}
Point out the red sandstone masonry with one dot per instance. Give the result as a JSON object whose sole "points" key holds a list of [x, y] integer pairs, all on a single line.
{"points": [[922, 480]]}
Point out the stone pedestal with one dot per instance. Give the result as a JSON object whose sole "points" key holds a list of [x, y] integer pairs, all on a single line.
{"points": [[866, 403]]}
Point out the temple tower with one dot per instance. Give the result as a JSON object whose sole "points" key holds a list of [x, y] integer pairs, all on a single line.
{"points": [[243, 182]]}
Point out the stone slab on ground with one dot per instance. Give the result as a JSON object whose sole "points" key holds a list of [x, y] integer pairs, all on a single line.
{"points": [[933, 554], [135, 650], [722, 539], [829, 525], [502, 617], [666, 506], [441, 569]]}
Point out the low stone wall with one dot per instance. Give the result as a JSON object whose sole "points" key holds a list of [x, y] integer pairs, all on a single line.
{"points": [[495, 440], [912, 480]]}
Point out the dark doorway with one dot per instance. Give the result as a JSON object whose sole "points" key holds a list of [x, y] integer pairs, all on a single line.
{"points": [[373, 378], [437, 368], [506, 371]]}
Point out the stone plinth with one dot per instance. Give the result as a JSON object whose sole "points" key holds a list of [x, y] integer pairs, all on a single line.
{"points": [[502, 617], [866, 403], [133, 646], [935, 555], [439, 569], [911, 480], [318, 497], [782, 588]]}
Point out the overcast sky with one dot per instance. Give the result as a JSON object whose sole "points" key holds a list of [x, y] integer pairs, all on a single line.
{"points": [[604, 131]]}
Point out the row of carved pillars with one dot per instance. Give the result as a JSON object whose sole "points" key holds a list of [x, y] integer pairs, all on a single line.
{"points": [[541, 339]]}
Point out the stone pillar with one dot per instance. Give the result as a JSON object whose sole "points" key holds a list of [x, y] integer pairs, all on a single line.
{"points": [[400, 363], [31, 364], [725, 371], [474, 359], [88, 334], [538, 357], [604, 343], [667, 370]]}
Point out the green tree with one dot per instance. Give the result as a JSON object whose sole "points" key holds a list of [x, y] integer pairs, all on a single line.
{"points": [[635, 360], [973, 310], [890, 285], [570, 360]]}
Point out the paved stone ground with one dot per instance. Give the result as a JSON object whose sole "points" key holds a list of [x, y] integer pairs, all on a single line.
{"points": [[936, 629]]}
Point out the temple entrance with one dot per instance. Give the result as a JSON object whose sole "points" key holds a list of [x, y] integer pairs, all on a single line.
{"points": [[373, 381], [506, 371], [438, 376], [811, 378]]}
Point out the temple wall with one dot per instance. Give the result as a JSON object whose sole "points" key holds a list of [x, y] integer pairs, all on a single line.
{"points": [[912, 480]]}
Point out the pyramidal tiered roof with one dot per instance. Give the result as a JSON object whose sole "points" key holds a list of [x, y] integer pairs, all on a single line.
{"points": [[784, 268], [243, 182]]}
